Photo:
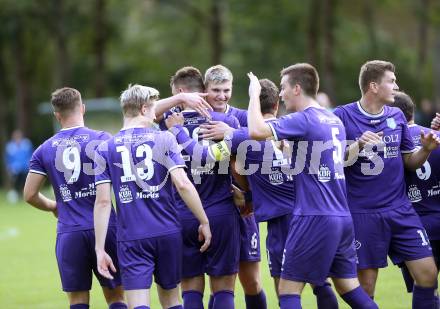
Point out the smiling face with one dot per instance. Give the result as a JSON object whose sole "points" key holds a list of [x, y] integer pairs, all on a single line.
{"points": [[219, 95]]}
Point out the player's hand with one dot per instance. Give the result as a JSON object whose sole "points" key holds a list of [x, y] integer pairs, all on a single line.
{"points": [[214, 130], [435, 123], [174, 120], [105, 262], [205, 236], [370, 138], [429, 141], [196, 101], [254, 85], [238, 197]]}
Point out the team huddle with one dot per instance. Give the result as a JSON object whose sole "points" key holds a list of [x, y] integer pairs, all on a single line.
{"points": [[193, 176]]}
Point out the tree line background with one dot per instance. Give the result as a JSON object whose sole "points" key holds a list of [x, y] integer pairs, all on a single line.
{"points": [[100, 46]]}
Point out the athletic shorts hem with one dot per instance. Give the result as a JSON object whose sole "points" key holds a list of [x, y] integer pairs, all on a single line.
{"points": [[412, 258], [76, 289], [192, 275], [304, 280], [169, 286], [252, 259], [347, 276], [133, 283], [375, 266], [222, 273]]}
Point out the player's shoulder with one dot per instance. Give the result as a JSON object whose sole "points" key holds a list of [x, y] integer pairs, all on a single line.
{"points": [[395, 112], [345, 108]]}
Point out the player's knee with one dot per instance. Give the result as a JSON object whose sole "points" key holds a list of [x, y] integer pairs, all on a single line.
{"points": [[426, 277], [369, 286], [115, 295], [251, 287]]}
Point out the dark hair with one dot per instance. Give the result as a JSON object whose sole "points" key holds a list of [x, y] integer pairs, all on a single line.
{"points": [[405, 103], [373, 71], [188, 77], [269, 96], [305, 75], [65, 100]]}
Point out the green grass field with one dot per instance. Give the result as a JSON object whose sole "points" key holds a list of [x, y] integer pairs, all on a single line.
{"points": [[29, 275]]}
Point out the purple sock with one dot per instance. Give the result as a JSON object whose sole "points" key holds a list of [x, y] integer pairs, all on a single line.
{"points": [[118, 305], [256, 301], [177, 307], [424, 298], [358, 298], [223, 300], [325, 297], [79, 306], [192, 299], [290, 301], [141, 307], [211, 301]]}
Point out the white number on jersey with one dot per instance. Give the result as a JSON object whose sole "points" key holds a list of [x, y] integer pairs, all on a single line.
{"points": [[424, 172], [146, 172], [72, 161], [337, 152]]}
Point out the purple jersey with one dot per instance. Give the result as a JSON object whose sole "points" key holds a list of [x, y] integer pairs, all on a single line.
{"points": [[240, 114], [273, 192], [374, 181], [137, 162], [423, 186], [67, 160], [212, 180], [320, 185]]}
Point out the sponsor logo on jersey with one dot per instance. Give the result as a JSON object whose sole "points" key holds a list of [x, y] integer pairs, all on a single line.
{"points": [[125, 195], [324, 174], [391, 123], [65, 193], [414, 194], [276, 177]]}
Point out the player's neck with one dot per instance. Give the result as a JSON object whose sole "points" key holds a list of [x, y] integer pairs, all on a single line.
{"points": [[268, 116], [137, 122], [411, 122], [371, 105], [72, 122], [307, 102]]}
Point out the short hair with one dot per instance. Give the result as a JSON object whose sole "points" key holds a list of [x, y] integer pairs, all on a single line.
{"points": [[218, 74], [136, 96], [188, 77], [65, 100], [405, 103], [269, 96], [373, 71], [305, 75]]}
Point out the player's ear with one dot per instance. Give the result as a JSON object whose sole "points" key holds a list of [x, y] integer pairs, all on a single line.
{"points": [[83, 109], [374, 87]]}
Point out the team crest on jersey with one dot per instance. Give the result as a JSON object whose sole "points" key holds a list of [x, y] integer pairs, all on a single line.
{"points": [[65, 193], [125, 195], [324, 174], [391, 123], [414, 194]]}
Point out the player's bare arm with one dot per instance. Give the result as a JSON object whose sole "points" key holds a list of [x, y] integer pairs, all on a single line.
{"points": [[189, 194], [215, 130], [194, 101], [33, 196], [416, 159], [258, 128], [101, 215]]}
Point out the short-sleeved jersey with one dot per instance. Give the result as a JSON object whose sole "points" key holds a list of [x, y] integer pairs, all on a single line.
{"points": [[211, 180], [273, 192], [375, 181], [240, 114], [67, 160], [423, 185], [137, 162], [320, 140]]}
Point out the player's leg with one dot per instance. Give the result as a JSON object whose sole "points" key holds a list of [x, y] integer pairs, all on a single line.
{"points": [[411, 245], [193, 278], [222, 259], [138, 299], [290, 294], [79, 299], [368, 278], [114, 297], [168, 269], [353, 294], [249, 269]]}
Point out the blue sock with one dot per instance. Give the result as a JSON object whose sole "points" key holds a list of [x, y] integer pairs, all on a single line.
{"points": [[192, 299], [118, 305], [358, 298], [141, 307], [325, 297], [211, 301], [79, 306], [424, 298], [256, 301], [290, 301], [177, 307], [223, 300]]}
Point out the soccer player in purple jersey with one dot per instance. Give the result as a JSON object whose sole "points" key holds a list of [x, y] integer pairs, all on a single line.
{"points": [[218, 83], [385, 222], [311, 252], [272, 190], [422, 187], [220, 262], [66, 160], [142, 164]]}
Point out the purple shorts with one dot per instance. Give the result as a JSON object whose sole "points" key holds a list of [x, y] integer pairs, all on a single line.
{"points": [[249, 240], [277, 230], [398, 233], [318, 247], [222, 256], [140, 259], [76, 257]]}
